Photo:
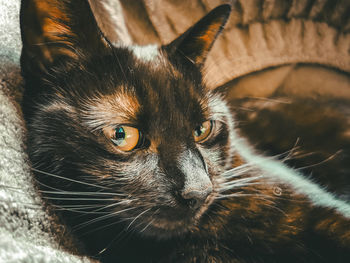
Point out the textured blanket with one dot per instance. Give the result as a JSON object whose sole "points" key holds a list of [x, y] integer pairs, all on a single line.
{"points": [[28, 233], [260, 34]]}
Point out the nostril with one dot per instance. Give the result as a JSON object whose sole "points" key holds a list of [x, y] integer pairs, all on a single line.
{"points": [[193, 203], [196, 198], [194, 194]]}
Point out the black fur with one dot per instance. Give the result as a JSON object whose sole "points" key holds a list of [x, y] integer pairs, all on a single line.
{"points": [[70, 98]]}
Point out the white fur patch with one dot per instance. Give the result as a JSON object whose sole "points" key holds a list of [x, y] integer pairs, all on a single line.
{"points": [[145, 53], [59, 106], [275, 170], [196, 177], [103, 111], [218, 109]]}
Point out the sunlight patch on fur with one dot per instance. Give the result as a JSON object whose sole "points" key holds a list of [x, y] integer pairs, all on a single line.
{"points": [[118, 108], [276, 171]]}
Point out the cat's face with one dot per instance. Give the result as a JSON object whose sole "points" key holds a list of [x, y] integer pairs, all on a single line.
{"points": [[136, 124]]}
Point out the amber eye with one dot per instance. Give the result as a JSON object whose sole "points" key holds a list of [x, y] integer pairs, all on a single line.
{"points": [[203, 131], [126, 138]]}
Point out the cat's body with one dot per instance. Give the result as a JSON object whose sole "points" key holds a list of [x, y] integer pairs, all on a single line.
{"points": [[142, 161]]}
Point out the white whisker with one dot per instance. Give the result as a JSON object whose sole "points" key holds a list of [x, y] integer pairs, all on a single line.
{"points": [[68, 179], [142, 213], [63, 192], [104, 226], [79, 211], [233, 186], [248, 179], [79, 199], [102, 218], [144, 229], [240, 195], [322, 162]]}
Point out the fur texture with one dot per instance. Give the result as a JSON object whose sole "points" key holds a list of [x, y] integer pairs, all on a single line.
{"points": [[242, 207]]}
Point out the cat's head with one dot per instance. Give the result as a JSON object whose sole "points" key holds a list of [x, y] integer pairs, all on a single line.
{"points": [[131, 129]]}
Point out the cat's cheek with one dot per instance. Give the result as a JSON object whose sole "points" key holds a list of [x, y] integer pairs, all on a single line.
{"points": [[212, 157]]}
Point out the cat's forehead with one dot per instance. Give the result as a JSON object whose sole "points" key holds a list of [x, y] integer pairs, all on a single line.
{"points": [[151, 90], [151, 55], [146, 105], [148, 53]]}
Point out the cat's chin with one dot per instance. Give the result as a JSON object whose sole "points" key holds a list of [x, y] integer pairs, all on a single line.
{"points": [[172, 224], [166, 228]]}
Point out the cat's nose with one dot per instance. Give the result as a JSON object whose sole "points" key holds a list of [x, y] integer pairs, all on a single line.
{"points": [[196, 197]]}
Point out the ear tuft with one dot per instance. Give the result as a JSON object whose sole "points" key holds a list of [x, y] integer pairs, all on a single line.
{"points": [[197, 41]]}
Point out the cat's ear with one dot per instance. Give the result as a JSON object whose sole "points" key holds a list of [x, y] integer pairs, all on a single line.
{"points": [[55, 30], [196, 42]]}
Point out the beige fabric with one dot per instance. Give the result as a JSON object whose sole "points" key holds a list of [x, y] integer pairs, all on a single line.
{"points": [[110, 19], [259, 34], [303, 81]]}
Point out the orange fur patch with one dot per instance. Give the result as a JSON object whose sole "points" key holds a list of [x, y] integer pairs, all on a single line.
{"points": [[237, 160], [50, 19], [119, 108], [207, 39], [209, 36]]}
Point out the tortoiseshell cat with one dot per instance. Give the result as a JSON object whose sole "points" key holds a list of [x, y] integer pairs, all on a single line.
{"points": [[142, 162]]}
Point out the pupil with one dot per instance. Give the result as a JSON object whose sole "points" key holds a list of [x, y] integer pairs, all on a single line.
{"points": [[119, 134], [199, 131]]}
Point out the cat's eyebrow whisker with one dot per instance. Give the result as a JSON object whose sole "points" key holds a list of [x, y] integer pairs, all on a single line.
{"points": [[68, 179]]}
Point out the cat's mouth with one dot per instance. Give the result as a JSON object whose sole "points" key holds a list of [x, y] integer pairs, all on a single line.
{"points": [[164, 228], [169, 221]]}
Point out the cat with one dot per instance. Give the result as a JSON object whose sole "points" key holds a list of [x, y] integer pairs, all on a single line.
{"points": [[143, 163]]}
